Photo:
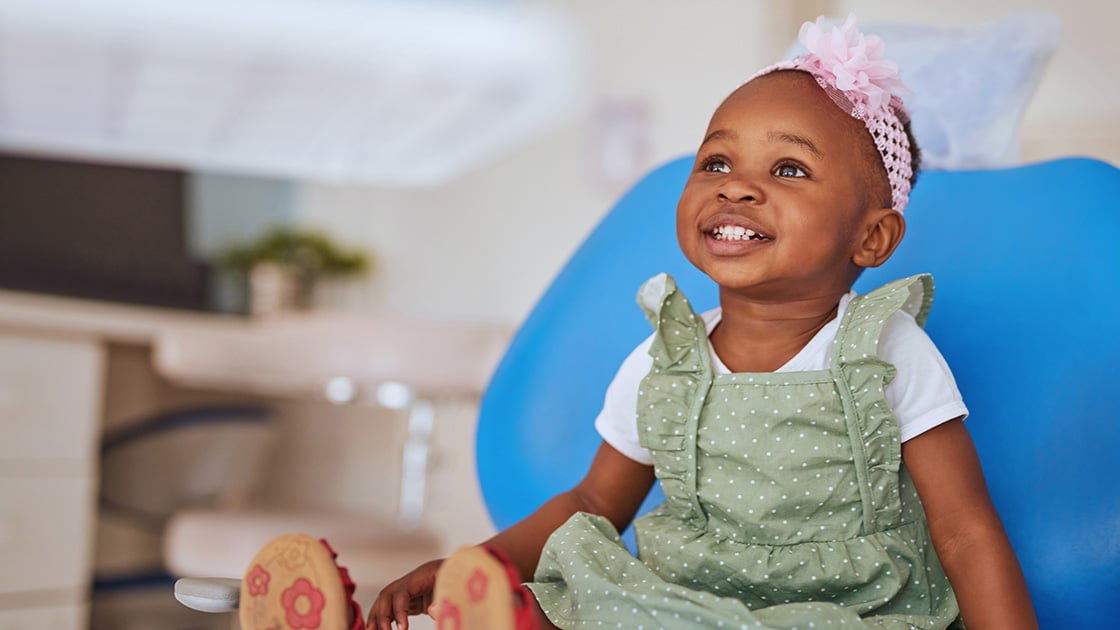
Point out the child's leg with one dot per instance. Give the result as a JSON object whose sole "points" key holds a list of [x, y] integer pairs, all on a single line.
{"points": [[293, 582], [477, 589]]}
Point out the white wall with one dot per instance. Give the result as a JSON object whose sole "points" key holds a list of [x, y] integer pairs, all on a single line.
{"points": [[487, 245]]}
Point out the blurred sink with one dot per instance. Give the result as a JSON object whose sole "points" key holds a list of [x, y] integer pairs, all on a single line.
{"points": [[298, 355]]}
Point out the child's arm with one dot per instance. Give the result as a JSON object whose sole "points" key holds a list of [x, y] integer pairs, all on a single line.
{"points": [[967, 533], [614, 487]]}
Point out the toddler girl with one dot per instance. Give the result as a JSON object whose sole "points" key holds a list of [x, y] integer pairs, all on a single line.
{"points": [[809, 441]]}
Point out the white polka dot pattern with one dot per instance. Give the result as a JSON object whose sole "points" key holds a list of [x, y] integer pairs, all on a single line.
{"points": [[786, 502]]}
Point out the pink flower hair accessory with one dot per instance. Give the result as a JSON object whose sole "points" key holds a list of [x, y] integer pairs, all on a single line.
{"points": [[852, 70]]}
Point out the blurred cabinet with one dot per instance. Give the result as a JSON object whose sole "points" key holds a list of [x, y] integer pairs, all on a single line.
{"points": [[56, 360], [50, 403], [72, 368]]}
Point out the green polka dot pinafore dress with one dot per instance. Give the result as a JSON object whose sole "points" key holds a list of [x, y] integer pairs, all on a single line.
{"points": [[786, 501]]}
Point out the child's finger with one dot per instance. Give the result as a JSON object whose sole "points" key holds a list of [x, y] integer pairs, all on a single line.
{"points": [[380, 616], [379, 623], [417, 605], [401, 600]]}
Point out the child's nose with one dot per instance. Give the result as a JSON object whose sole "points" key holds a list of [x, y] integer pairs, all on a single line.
{"points": [[740, 190]]}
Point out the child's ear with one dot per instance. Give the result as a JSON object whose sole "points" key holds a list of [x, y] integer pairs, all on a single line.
{"points": [[882, 233]]}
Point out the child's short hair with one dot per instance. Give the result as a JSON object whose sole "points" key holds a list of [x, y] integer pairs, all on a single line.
{"points": [[915, 154]]}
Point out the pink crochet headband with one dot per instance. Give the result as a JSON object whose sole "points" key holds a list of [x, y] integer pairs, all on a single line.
{"points": [[850, 67]]}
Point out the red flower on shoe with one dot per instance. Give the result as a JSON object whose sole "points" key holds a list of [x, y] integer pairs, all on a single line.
{"points": [[258, 581], [295, 555], [476, 585], [302, 588], [450, 617]]}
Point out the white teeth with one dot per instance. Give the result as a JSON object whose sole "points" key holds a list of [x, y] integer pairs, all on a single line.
{"points": [[734, 233]]}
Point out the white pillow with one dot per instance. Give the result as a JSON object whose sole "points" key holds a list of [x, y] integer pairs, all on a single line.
{"points": [[969, 84]]}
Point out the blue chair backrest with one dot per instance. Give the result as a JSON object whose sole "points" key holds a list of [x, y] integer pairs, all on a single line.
{"points": [[1026, 298]]}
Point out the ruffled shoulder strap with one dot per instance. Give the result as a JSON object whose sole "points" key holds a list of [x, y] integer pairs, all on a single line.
{"points": [[863, 321], [681, 336], [862, 378], [672, 394]]}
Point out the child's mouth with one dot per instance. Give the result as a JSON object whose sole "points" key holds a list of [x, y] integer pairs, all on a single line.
{"points": [[737, 233]]}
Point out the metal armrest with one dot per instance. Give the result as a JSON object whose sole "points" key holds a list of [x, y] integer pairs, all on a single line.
{"points": [[209, 594]]}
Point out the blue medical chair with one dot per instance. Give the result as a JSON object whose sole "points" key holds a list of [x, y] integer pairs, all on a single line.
{"points": [[1027, 269]]}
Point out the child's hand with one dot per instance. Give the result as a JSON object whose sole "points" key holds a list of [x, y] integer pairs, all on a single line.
{"points": [[409, 595]]}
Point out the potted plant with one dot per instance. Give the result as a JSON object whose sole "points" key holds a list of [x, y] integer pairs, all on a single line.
{"points": [[282, 267]]}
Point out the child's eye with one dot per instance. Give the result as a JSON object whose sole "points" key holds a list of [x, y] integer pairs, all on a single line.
{"points": [[716, 165], [789, 170]]}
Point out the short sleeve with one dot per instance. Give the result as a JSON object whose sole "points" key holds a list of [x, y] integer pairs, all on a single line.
{"points": [[617, 422], [924, 393]]}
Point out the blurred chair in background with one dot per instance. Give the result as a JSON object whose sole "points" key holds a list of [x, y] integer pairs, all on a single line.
{"points": [[151, 469]]}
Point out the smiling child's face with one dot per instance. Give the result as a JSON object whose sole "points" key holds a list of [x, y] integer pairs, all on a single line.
{"points": [[780, 194]]}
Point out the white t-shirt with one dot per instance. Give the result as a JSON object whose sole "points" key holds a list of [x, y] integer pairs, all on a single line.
{"points": [[922, 395]]}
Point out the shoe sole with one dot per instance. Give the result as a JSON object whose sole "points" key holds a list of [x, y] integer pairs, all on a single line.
{"points": [[473, 592], [293, 583]]}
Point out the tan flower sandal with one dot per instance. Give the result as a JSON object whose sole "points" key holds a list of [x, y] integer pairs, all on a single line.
{"points": [[293, 583], [478, 589]]}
